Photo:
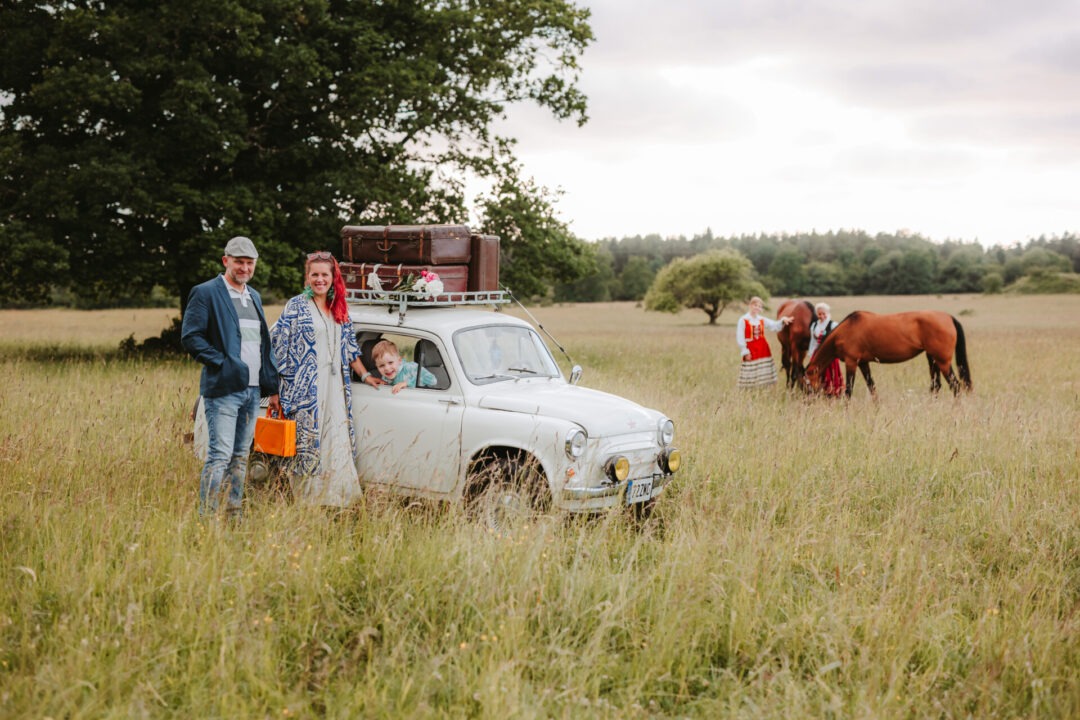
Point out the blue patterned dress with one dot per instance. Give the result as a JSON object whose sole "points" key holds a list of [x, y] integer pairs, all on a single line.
{"points": [[303, 347]]}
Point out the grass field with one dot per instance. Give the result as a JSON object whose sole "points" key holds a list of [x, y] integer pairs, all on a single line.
{"points": [[907, 557]]}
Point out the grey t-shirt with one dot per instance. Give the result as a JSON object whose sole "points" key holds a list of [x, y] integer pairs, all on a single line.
{"points": [[250, 333]]}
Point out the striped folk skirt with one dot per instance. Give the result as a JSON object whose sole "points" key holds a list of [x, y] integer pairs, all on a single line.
{"points": [[757, 373]]}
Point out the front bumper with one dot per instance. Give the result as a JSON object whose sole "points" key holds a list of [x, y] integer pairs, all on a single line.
{"points": [[590, 495]]}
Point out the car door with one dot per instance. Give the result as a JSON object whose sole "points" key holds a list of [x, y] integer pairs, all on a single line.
{"points": [[411, 440]]}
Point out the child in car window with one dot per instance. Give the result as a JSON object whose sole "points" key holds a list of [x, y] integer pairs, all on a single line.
{"points": [[396, 371]]}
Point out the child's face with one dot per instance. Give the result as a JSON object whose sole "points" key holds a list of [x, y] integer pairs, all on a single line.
{"points": [[388, 364], [755, 307]]}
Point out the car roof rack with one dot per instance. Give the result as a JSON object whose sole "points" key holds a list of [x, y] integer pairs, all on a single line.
{"points": [[405, 300]]}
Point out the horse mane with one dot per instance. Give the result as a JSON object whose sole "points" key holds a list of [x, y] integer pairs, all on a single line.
{"points": [[854, 316]]}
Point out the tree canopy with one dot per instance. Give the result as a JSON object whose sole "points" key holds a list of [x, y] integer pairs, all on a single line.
{"points": [[709, 282], [537, 248], [136, 138]]}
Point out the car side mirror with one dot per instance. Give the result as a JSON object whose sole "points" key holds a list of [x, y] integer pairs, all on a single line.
{"points": [[575, 374]]}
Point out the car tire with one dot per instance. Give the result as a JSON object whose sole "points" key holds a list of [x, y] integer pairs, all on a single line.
{"points": [[507, 492], [259, 468], [268, 474]]}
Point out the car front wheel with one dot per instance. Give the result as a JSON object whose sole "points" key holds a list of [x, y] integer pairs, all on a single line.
{"points": [[507, 492]]}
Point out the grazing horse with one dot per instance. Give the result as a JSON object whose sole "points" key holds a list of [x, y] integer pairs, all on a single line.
{"points": [[864, 337], [794, 338]]}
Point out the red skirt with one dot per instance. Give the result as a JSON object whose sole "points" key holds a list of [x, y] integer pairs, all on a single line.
{"points": [[833, 382]]}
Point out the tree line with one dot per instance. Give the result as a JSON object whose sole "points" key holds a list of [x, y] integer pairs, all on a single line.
{"points": [[848, 262]]}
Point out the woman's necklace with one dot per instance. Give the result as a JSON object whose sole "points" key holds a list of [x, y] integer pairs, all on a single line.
{"points": [[329, 332]]}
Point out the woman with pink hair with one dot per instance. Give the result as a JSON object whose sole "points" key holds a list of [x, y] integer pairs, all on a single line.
{"points": [[315, 347]]}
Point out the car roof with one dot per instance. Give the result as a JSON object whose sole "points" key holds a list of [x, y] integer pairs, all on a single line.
{"points": [[439, 320]]}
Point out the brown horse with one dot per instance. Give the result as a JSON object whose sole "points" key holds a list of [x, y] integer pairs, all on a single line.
{"points": [[794, 338], [864, 337]]}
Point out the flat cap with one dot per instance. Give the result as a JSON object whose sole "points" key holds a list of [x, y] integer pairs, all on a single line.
{"points": [[241, 246]]}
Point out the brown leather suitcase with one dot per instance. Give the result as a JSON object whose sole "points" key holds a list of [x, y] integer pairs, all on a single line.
{"points": [[412, 244], [355, 275], [484, 265]]}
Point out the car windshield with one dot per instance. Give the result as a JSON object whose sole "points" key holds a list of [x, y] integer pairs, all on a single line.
{"points": [[503, 352]]}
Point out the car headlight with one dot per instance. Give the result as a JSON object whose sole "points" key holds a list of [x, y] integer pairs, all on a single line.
{"points": [[665, 430], [617, 468], [670, 460], [575, 443]]}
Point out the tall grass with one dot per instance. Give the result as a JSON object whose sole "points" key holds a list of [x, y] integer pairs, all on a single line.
{"points": [[906, 557]]}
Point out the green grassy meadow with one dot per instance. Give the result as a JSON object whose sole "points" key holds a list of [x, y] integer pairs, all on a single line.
{"points": [[908, 557]]}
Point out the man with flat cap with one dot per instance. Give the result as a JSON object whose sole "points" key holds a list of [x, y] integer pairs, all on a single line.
{"points": [[224, 328]]}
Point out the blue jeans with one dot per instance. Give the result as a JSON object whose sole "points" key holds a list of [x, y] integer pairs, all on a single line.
{"points": [[230, 421]]}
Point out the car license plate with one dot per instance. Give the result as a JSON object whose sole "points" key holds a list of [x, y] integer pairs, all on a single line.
{"points": [[638, 490]]}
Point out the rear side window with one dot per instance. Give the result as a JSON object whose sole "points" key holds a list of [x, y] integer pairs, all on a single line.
{"points": [[431, 368]]}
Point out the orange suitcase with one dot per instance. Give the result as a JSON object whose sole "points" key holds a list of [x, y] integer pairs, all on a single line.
{"points": [[275, 436]]}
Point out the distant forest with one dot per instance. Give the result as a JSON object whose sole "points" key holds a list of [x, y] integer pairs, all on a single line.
{"points": [[842, 263]]}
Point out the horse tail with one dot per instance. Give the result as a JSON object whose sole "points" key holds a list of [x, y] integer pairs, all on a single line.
{"points": [[961, 355]]}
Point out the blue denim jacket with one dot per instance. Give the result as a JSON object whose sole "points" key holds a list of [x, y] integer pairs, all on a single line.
{"points": [[210, 332]]}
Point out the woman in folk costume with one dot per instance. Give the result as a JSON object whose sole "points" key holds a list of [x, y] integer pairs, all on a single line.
{"points": [[757, 364], [315, 347], [833, 381]]}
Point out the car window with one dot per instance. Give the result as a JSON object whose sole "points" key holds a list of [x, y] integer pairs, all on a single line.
{"points": [[503, 352], [431, 372]]}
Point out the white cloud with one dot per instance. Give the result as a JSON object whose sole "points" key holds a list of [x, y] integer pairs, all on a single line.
{"points": [[957, 120]]}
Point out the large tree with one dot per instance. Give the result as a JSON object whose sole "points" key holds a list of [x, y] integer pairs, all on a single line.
{"points": [[136, 137], [708, 282], [538, 250]]}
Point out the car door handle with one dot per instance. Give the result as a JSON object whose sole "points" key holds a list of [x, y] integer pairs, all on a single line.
{"points": [[450, 401]]}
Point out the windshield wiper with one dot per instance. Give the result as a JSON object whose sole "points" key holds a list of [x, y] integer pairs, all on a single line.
{"points": [[521, 370]]}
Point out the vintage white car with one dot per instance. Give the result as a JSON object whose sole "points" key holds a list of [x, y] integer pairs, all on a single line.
{"points": [[501, 429]]}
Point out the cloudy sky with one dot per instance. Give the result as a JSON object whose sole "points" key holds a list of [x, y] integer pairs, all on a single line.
{"points": [[955, 119]]}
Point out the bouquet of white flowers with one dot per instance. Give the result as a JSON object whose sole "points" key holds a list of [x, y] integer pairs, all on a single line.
{"points": [[428, 283]]}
